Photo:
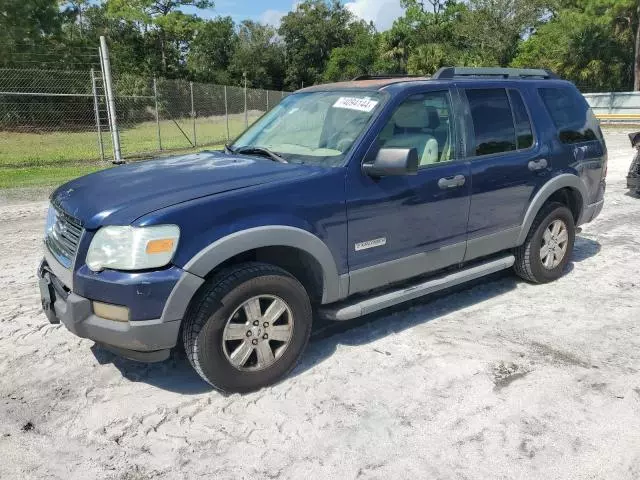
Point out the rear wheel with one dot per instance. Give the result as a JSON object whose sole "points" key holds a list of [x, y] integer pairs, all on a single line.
{"points": [[248, 328], [548, 246]]}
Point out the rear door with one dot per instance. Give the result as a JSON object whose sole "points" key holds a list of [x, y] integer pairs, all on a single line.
{"points": [[507, 165], [403, 226]]}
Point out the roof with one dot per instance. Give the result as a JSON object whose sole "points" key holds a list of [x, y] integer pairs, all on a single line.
{"points": [[373, 84], [444, 74]]}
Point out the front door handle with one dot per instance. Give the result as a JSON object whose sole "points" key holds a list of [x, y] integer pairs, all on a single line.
{"points": [[451, 182], [535, 165]]}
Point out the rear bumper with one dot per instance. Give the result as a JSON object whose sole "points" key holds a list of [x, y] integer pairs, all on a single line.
{"points": [[591, 211], [144, 340]]}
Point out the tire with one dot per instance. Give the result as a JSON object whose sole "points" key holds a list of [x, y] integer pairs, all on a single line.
{"points": [[226, 310], [528, 264]]}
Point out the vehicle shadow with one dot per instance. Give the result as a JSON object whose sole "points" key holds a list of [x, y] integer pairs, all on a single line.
{"points": [[174, 374], [177, 375], [584, 248]]}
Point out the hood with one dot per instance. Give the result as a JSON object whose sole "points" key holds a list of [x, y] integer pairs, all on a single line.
{"points": [[120, 195]]}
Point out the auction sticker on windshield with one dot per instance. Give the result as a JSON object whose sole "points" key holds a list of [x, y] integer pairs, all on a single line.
{"points": [[353, 103]]}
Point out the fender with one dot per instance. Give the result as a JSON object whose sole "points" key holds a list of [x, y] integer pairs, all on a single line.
{"points": [[334, 286], [548, 189]]}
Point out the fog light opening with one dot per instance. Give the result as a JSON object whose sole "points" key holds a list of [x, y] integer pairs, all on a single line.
{"points": [[116, 313]]}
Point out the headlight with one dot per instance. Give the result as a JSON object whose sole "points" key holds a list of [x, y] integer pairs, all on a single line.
{"points": [[52, 216], [132, 248]]}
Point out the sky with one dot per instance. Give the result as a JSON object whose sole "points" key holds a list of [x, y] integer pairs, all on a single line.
{"points": [[381, 12]]}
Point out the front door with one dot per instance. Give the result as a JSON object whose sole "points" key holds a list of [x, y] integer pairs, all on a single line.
{"points": [[403, 226]]}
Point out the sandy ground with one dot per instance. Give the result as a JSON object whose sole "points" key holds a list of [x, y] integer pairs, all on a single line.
{"points": [[500, 380]]}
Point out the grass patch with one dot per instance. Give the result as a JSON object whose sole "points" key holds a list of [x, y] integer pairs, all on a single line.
{"points": [[50, 159], [54, 175], [44, 175], [19, 150]]}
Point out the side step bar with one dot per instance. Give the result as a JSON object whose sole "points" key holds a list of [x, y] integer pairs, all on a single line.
{"points": [[346, 310]]}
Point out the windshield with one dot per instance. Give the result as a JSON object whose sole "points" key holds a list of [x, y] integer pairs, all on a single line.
{"points": [[315, 127]]}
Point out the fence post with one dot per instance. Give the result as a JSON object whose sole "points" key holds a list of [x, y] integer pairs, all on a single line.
{"points": [[111, 104], [155, 98], [226, 112], [193, 115], [246, 113], [267, 92], [96, 112]]}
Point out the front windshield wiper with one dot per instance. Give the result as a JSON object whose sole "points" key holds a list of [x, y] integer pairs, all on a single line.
{"points": [[228, 148], [251, 150]]}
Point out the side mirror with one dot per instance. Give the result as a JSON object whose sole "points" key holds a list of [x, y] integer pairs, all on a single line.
{"points": [[393, 161]]}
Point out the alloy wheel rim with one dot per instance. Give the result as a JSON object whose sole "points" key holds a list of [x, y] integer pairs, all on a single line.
{"points": [[257, 333], [554, 244]]}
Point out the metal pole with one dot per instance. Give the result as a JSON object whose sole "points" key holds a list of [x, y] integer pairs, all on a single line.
{"points": [[267, 92], [246, 114], [193, 115], [106, 72], [104, 89], [96, 113], [155, 97], [226, 111]]}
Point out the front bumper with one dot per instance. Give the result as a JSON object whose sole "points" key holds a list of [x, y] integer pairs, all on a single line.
{"points": [[143, 340]]}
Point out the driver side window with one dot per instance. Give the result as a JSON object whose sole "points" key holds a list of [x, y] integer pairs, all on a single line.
{"points": [[424, 122]]}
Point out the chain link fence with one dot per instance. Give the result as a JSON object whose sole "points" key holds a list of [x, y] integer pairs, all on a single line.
{"points": [[164, 115], [51, 117]]}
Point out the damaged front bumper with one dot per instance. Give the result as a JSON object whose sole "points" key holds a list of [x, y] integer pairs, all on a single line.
{"points": [[143, 340]]}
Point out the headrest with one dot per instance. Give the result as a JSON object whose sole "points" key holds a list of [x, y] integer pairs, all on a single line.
{"points": [[416, 115], [434, 118]]}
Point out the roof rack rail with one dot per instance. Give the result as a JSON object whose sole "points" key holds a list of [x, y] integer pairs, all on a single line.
{"points": [[384, 76], [446, 73]]}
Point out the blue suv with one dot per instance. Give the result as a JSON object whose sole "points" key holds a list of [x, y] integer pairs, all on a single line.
{"points": [[344, 199]]}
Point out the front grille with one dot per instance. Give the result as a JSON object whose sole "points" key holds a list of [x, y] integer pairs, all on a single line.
{"points": [[63, 236]]}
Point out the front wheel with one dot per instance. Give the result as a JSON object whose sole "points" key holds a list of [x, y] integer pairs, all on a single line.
{"points": [[248, 327], [548, 246]]}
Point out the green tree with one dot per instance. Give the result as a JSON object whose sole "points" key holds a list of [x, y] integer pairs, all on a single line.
{"points": [[310, 33], [394, 47], [258, 54], [425, 38], [27, 25], [590, 43], [493, 29], [172, 27], [356, 58], [212, 49], [128, 47]]}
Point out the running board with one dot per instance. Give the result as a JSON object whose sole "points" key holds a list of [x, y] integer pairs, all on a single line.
{"points": [[346, 310]]}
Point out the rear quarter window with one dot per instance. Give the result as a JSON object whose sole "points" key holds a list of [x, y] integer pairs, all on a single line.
{"points": [[571, 115]]}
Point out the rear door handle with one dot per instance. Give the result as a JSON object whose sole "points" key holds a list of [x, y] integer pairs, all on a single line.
{"points": [[535, 165], [451, 182]]}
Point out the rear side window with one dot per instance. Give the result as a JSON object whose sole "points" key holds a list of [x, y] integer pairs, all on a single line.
{"points": [[492, 121], [524, 135], [570, 114]]}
